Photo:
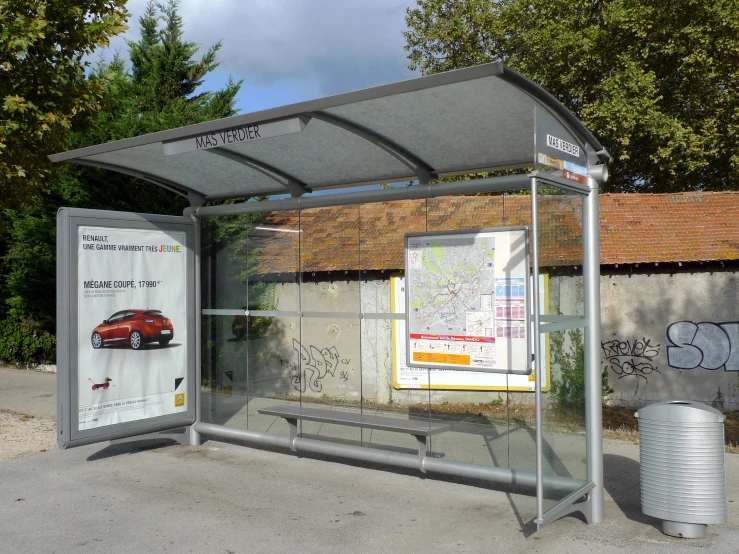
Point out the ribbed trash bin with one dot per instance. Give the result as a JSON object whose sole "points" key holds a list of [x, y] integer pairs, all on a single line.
{"points": [[683, 477]]}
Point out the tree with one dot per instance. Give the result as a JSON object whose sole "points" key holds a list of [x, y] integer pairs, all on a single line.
{"points": [[165, 78], [44, 90], [160, 91], [655, 81]]}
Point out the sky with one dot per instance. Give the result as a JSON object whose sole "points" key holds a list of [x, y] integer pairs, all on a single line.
{"points": [[288, 51]]}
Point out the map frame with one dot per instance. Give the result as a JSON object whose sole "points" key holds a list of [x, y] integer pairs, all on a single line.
{"points": [[523, 273]]}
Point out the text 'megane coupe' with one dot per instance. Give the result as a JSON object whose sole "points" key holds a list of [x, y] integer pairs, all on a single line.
{"points": [[133, 327]]}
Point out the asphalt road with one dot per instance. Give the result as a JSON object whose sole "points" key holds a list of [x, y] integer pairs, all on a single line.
{"points": [[140, 497]]}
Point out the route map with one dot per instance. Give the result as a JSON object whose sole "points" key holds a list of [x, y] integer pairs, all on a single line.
{"points": [[449, 378], [459, 302]]}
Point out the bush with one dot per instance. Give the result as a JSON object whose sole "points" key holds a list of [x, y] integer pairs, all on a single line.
{"points": [[25, 341], [569, 387]]}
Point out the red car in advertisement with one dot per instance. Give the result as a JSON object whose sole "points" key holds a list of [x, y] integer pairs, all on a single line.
{"points": [[134, 328]]}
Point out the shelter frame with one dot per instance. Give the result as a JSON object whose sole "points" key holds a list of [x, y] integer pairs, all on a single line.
{"points": [[587, 499], [241, 170]]}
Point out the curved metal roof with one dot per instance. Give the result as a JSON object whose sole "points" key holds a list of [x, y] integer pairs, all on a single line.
{"points": [[471, 120]]}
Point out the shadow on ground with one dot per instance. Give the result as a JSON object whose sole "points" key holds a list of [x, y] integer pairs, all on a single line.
{"points": [[621, 481], [151, 441]]}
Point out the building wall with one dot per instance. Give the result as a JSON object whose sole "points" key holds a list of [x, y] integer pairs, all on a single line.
{"points": [[343, 359], [668, 334], [671, 334]]}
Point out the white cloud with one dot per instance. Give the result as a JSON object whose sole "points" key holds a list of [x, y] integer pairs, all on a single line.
{"points": [[326, 46]]}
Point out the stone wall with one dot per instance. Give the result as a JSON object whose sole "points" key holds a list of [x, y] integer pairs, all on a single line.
{"points": [[667, 333], [671, 334]]}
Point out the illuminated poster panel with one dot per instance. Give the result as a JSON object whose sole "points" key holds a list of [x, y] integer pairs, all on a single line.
{"points": [[467, 300], [126, 324]]}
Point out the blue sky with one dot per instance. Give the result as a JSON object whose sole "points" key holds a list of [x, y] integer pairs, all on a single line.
{"points": [[288, 51]]}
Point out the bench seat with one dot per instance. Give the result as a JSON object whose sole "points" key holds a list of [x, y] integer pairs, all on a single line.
{"points": [[381, 423], [422, 430]]}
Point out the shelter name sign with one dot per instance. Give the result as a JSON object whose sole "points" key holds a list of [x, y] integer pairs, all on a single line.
{"points": [[563, 146], [243, 133]]}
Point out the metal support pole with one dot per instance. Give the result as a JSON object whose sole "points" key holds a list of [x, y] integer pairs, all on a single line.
{"points": [[593, 398], [194, 435], [537, 353]]}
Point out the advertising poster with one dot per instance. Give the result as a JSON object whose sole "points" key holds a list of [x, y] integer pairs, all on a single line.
{"points": [[466, 300], [132, 330], [405, 377]]}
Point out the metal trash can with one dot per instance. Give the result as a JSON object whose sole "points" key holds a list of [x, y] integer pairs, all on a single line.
{"points": [[683, 476]]}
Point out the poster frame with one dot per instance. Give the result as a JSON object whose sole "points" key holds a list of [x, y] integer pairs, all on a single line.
{"points": [[68, 222], [527, 299]]}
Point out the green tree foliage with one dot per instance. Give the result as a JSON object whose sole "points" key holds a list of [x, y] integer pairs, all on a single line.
{"points": [[568, 383], [159, 91], [656, 81], [44, 90], [165, 77]]}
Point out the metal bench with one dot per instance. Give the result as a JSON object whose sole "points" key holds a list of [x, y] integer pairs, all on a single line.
{"points": [[422, 430]]}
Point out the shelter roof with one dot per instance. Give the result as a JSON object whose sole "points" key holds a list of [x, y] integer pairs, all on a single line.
{"points": [[634, 228], [460, 122]]}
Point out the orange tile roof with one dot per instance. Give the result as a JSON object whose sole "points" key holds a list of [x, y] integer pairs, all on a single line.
{"points": [[635, 228]]}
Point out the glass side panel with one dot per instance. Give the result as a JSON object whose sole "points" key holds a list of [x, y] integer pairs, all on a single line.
{"points": [[250, 303], [563, 404], [475, 405], [223, 297]]}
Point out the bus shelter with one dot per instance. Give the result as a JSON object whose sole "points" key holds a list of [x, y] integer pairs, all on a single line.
{"points": [[268, 312]]}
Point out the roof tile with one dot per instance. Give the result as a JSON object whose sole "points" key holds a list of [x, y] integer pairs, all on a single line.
{"points": [[634, 228]]}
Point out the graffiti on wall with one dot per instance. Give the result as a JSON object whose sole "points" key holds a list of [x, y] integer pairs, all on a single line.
{"points": [[703, 345], [315, 364], [631, 358]]}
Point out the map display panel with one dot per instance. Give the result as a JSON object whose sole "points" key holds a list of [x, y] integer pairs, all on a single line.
{"points": [[405, 377], [467, 300]]}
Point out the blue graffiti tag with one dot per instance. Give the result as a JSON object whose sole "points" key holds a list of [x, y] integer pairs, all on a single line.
{"points": [[703, 345]]}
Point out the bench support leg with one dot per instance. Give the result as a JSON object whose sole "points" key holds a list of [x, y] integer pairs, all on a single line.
{"points": [[421, 451], [293, 423]]}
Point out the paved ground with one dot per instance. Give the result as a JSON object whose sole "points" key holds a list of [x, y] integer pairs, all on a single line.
{"points": [[28, 392], [225, 498]]}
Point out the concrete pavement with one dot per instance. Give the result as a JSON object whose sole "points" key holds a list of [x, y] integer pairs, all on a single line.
{"points": [[226, 498]]}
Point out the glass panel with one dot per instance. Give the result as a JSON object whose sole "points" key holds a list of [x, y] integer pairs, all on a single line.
{"points": [[272, 327], [223, 297], [250, 301], [388, 389], [331, 370], [475, 404], [330, 264], [563, 404]]}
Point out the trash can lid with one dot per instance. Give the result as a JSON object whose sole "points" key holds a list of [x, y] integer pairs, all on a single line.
{"points": [[680, 411]]}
